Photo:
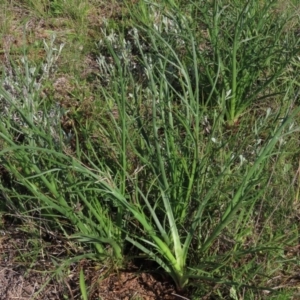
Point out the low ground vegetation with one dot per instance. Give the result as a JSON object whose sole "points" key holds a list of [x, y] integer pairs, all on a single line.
{"points": [[150, 150]]}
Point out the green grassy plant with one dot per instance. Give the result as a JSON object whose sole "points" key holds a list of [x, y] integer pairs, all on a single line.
{"points": [[35, 151], [173, 186], [252, 47], [242, 49], [83, 286], [158, 170]]}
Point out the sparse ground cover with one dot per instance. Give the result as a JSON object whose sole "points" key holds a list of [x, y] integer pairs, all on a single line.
{"points": [[149, 150]]}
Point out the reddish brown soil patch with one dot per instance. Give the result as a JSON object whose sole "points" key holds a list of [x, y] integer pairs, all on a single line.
{"points": [[129, 285]]}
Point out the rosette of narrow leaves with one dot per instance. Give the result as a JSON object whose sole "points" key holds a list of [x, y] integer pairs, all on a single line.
{"points": [[174, 183]]}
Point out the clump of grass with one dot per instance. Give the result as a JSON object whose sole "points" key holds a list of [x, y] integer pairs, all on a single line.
{"points": [[252, 49], [176, 183], [36, 151], [173, 206], [242, 51]]}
